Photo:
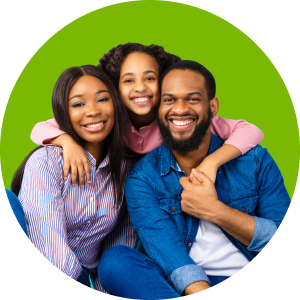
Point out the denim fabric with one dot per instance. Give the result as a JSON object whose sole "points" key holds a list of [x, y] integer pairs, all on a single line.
{"points": [[127, 273], [251, 183]]}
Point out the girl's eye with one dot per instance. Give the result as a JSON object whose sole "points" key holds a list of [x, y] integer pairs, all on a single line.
{"points": [[103, 99], [128, 80]]}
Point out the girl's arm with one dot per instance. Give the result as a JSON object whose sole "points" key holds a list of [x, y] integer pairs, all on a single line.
{"points": [[239, 135], [48, 132]]}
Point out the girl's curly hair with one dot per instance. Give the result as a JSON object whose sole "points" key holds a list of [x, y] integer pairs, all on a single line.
{"points": [[111, 61]]}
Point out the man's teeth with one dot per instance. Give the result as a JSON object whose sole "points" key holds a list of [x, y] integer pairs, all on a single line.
{"points": [[94, 125], [141, 99], [181, 123]]}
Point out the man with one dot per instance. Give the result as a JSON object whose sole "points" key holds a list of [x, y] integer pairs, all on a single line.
{"points": [[195, 233]]}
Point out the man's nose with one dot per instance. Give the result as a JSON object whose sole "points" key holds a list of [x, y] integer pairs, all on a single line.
{"points": [[180, 106]]}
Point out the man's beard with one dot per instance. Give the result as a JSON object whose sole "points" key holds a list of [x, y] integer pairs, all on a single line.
{"points": [[185, 145]]}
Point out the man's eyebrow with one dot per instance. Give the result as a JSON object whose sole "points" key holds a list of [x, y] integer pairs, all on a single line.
{"points": [[189, 94], [132, 74], [97, 92]]}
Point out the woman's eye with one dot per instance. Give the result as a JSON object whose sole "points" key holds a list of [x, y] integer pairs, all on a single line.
{"points": [[150, 78], [77, 104], [128, 80]]}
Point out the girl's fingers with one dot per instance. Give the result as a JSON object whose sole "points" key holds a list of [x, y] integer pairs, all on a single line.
{"points": [[87, 170]]}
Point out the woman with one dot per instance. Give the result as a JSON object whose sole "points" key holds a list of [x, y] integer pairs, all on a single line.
{"points": [[73, 226], [135, 71]]}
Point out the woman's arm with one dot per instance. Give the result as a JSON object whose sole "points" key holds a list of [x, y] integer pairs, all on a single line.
{"points": [[41, 199], [239, 135], [48, 132]]}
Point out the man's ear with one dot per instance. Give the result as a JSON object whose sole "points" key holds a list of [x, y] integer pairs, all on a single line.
{"points": [[214, 106]]}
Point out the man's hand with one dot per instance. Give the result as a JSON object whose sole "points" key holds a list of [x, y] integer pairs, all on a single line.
{"points": [[201, 200]]}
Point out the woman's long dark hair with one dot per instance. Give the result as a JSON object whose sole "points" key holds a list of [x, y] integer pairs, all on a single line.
{"points": [[115, 139]]}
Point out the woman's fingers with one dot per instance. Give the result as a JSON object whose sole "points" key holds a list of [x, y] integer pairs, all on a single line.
{"points": [[80, 174], [87, 170], [73, 173]]}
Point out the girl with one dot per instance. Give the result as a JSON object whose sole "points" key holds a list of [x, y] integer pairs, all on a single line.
{"points": [[73, 226], [135, 71]]}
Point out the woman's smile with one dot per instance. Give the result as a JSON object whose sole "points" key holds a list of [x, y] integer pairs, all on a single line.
{"points": [[91, 109]]}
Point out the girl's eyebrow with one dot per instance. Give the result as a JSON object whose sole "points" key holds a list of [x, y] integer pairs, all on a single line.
{"points": [[98, 92], [132, 74]]}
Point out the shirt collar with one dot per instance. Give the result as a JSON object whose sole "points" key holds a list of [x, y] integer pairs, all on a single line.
{"points": [[168, 160], [92, 160]]}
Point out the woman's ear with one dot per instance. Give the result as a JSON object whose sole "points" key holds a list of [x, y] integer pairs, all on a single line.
{"points": [[214, 106]]}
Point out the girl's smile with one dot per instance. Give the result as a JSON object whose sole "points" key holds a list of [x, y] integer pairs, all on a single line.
{"points": [[139, 85]]}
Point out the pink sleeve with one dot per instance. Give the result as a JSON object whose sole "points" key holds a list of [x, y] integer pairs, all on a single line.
{"points": [[237, 133], [45, 131]]}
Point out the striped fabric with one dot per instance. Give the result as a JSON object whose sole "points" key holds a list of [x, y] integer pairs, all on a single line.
{"points": [[72, 226]]}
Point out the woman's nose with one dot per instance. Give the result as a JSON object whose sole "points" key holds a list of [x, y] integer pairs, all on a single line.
{"points": [[93, 110]]}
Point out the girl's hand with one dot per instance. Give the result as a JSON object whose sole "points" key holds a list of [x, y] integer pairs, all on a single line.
{"points": [[74, 159], [208, 167]]}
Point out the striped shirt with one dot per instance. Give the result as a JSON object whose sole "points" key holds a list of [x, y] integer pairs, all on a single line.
{"points": [[72, 226]]}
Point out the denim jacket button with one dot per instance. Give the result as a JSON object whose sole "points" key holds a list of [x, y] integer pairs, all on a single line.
{"points": [[243, 210], [172, 208], [189, 244]]}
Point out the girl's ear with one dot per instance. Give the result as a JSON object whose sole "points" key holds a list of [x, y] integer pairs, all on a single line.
{"points": [[214, 106]]}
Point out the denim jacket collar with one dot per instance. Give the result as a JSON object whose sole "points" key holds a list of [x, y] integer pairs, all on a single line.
{"points": [[168, 160]]}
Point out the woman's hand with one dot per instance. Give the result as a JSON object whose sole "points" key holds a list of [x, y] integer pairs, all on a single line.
{"points": [[74, 159]]}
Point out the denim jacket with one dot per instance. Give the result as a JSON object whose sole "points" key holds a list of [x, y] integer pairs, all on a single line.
{"points": [[251, 183]]}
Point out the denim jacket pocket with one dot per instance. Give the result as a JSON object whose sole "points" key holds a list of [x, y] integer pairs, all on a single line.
{"points": [[246, 204], [172, 206]]}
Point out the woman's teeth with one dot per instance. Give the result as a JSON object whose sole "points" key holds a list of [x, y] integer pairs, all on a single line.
{"points": [[94, 125], [141, 99], [181, 123]]}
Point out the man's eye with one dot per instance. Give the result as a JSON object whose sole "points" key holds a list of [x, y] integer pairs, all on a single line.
{"points": [[168, 100], [194, 99]]}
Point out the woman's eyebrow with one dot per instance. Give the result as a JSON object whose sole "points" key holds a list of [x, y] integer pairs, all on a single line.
{"points": [[97, 92], [132, 74], [79, 95], [101, 91]]}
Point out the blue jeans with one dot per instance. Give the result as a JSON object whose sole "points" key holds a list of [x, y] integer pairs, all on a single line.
{"points": [[127, 273], [19, 214]]}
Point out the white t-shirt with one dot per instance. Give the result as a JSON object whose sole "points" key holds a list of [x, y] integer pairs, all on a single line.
{"points": [[214, 252]]}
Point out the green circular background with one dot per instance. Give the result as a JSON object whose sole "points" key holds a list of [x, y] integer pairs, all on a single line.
{"points": [[248, 85]]}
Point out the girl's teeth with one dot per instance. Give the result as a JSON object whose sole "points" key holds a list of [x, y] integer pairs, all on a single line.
{"points": [[94, 125], [141, 99], [181, 123]]}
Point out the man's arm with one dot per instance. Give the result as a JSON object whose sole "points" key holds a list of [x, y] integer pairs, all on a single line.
{"points": [[202, 202], [159, 235], [254, 232]]}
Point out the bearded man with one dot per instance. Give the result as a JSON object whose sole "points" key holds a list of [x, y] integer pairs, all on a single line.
{"points": [[196, 233]]}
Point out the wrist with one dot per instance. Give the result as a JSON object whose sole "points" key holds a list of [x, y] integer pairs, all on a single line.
{"points": [[196, 287]]}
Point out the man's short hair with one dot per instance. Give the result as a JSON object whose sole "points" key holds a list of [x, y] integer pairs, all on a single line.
{"points": [[210, 83]]}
